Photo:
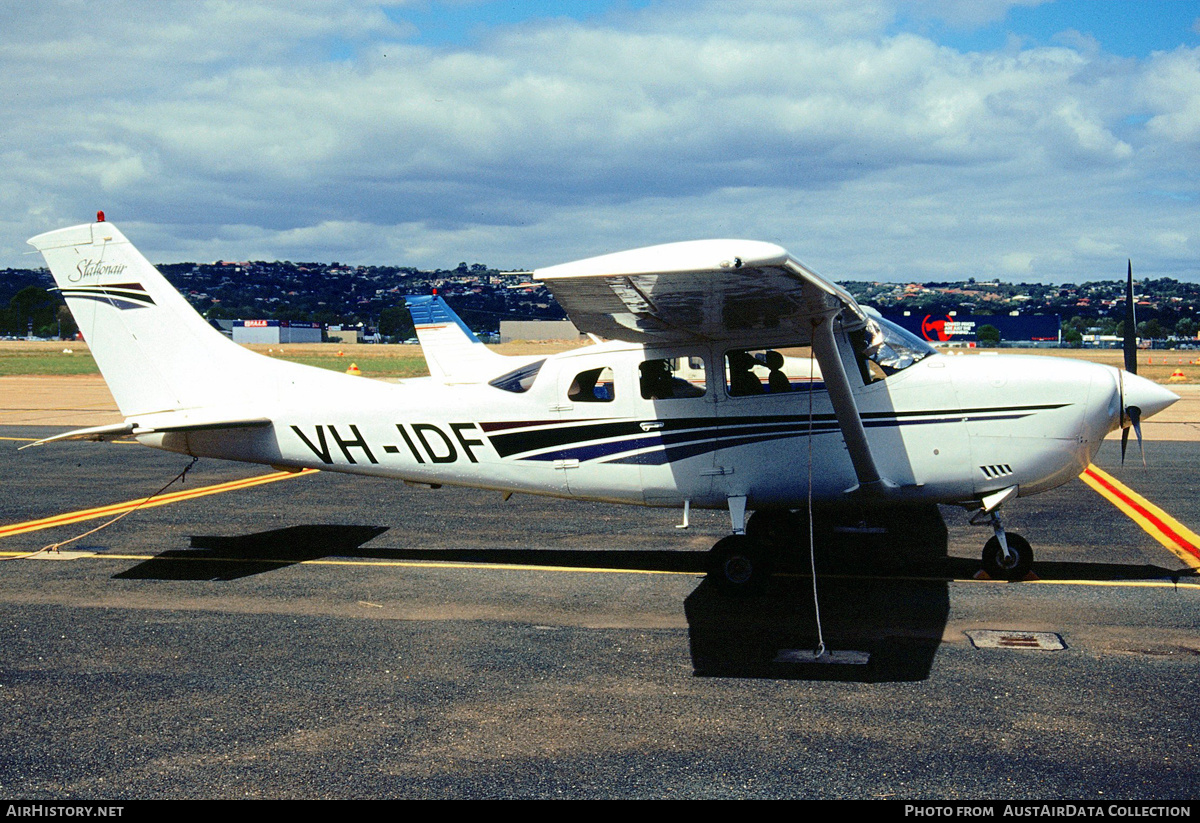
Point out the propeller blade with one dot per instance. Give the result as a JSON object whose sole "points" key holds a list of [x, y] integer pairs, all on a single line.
{"points": [[1135, 416], [1130, 325]]}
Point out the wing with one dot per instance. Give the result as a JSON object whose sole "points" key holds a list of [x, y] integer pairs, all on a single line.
{"points": [[727, 290], [736, 292]]}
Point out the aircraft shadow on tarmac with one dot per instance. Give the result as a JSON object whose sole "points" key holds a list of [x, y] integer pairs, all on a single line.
{"points": [[229, 558], [871, 606], [884, 592]]}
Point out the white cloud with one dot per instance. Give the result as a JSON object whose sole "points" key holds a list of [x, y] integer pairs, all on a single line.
{"points": [[248, 129], [1091, 247], [1171, 86]]}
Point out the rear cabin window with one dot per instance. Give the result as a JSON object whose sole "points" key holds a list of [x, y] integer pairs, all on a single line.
{"points": [[671, 378], [592, 386]]}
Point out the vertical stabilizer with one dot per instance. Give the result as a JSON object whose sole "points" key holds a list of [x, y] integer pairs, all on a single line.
{"points": [[452, 351], [155, 352]]}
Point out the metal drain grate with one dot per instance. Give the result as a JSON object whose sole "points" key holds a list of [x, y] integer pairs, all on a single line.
{"points": [[998, 639]]}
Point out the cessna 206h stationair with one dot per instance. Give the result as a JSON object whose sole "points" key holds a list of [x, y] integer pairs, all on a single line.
{"points": [[734, 377]]}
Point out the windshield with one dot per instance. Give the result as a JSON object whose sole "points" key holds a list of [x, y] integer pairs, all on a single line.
{"points": [[892, 348]]}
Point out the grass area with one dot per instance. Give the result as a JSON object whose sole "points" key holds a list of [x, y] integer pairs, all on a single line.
{"points": [[372, 360], [20, 357]]}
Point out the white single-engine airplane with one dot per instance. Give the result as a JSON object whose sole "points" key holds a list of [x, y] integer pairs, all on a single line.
{"points": [[688, 404]]}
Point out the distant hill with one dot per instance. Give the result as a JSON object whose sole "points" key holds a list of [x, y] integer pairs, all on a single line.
{"points": [[374, 296]]}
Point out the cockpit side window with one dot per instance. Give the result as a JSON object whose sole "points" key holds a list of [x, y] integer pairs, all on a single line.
{"points": [[592, 386], [671, 378], [750, 372]]}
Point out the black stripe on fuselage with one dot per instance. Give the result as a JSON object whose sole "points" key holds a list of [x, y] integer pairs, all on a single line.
{"points": [[581, 438]]}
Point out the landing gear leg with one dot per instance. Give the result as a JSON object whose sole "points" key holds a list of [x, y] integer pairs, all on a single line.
{"points": [[1007, 556]]}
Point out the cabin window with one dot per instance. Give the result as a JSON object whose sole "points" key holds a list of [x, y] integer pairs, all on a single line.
{"points": [[671, 378], [592, 386], [518, 380], [750, 372]]}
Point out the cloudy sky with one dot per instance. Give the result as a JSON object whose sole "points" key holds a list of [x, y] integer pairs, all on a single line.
{"points": [[902, 140]]}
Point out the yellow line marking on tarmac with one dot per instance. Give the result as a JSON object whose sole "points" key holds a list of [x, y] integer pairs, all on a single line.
{"points": [[1176, 537], [1168, 531], [1147, 584], [441, 564], [146, 503], [1119, 584], [412, 564]]}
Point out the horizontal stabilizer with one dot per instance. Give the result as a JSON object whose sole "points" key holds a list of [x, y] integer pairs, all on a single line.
{"points": [[130, 428], [95, 433]]}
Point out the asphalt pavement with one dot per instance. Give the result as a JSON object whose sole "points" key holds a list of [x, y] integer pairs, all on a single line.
{"points": [[331, 636]]}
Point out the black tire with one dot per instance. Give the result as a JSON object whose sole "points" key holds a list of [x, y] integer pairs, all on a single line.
{"points": [[776, 529], [738, 566], [1017, 567]]}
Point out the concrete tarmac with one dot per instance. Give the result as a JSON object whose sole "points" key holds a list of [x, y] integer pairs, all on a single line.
{"points": [[331, 636]]}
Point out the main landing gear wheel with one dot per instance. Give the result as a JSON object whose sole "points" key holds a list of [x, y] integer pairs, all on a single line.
{"points": [[737, 565], [1016, 566]]}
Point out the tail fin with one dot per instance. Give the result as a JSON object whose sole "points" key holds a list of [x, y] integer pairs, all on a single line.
{"points": [[155, 352], [453, 352]]}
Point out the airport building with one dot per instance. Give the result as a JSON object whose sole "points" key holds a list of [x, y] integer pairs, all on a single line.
{"points": [[511, 330], [344, 334], [274, 332]]}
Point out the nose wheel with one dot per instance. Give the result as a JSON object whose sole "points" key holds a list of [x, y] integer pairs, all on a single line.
{"points": [[1013, 566], [1008, 555]]}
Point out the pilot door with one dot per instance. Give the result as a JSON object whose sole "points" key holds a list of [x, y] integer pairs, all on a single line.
{"points": [[772, 402]]}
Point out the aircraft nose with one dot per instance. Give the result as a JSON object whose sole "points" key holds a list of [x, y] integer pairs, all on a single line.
{"points": [[1146, 395]]}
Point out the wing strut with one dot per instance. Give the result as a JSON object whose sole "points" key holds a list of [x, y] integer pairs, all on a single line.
{"points": [[842, 396]]}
